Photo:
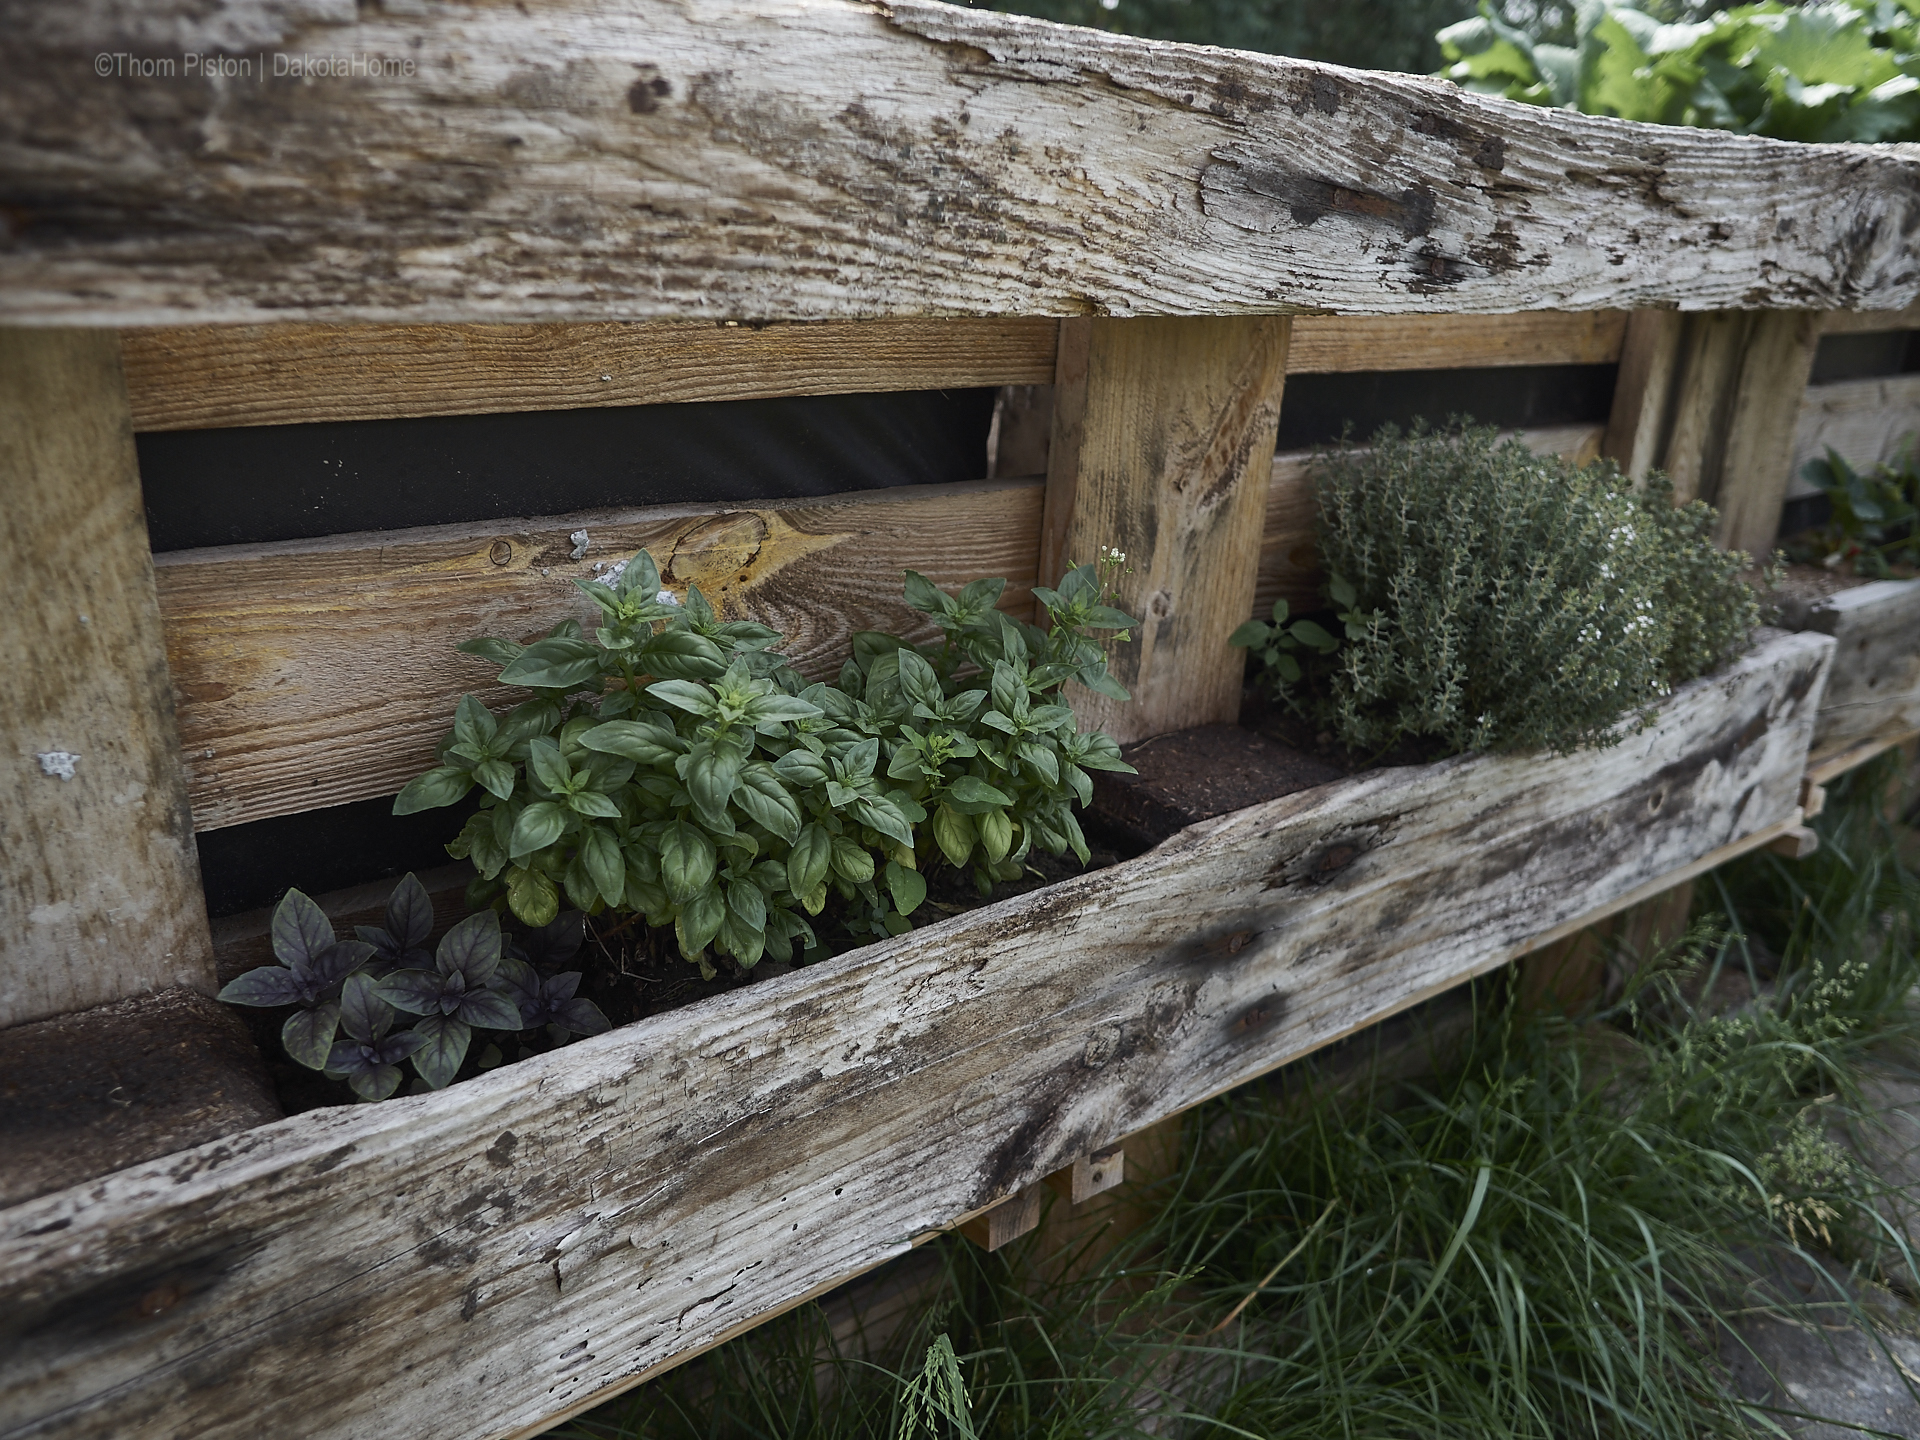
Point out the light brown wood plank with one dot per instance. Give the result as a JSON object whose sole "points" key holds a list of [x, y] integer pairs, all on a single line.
{"points": [[1324, 344], [212, 376], [1758, 447], [837, 160], [99, 881], [312, 673], [1867, 421], [1289, 565], [570, 1225], [1163, 435], [1853, 322]]}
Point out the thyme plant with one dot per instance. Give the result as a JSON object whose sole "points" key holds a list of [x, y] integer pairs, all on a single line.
{"points": [[1494, 599], [674, 766]]}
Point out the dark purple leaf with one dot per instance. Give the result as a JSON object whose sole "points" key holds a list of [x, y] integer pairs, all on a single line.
{"points": [[556, 943], [444, 1045], [300, 929], [377, 1083], [582, 1017], [363, 1014], [399, 1045], [417, 992], [562, 987], [308, 1034], [269, 985], [333, 964], [409, 914], [489, 1010], [350, 1057], [472, 949]]}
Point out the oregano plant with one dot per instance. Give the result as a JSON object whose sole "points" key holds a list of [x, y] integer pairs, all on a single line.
{"points": [[674, 766]]}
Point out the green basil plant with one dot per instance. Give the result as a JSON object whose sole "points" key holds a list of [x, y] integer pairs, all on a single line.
{"points": [[675, 766]]}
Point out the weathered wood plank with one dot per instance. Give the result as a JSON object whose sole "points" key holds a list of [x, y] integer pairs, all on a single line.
{"points": [[1711, 399], [1873, 694], [1163, 435], [563, 1227], [1289, 564], [211, 376], [1756, 453], [1328, 344], [99, 881], [837, 160], [1854, 322], [1867, 421], [312, 673]]}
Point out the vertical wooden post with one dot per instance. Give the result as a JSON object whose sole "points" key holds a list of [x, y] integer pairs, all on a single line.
{"points": [[100, 893], [1163, 437], [1712, 399]]}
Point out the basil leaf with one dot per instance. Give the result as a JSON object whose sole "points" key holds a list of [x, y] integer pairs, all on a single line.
{"points": [[444, 785], [539, 825], [560, 663]]}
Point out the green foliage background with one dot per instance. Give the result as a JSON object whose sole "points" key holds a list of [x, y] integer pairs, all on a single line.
{"points": [[1845, 70]]}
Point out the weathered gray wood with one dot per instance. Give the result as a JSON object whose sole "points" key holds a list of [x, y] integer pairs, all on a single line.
{"points": [[739, 159], [1711, 399], [1873, 694], [1161, 450], [535, 1238], [98, 1090], [1867, 421], [99, 881]]}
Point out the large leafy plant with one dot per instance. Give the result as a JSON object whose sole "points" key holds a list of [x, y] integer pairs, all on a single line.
{"points": [[345, 996], [1837, 71], [1500, 600], [1876, 514], [673, 765]]}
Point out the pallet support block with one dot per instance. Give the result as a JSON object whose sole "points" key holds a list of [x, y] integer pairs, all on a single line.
{"points": [[100, 887]]}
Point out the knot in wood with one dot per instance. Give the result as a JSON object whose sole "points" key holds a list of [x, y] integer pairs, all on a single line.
{"points": [[718, 548], [1160, 605], [500, 552]]}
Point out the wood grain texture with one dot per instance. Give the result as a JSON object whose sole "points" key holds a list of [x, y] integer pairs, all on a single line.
{"points": [[541, 1236], [1712, 400], [210, 376], [1163, 435], [99, 880], [827, 159], [1325, 344], [1643, 390], [1873, 693], [1853, 322], [1755, 465], [1289, 564], [315, 672], [1867, 421]]}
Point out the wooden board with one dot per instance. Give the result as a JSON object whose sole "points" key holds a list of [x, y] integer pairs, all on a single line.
{"points": [[1162, 445], [1873, 694], [1756, 451], [99, 881], [211, 376], [315, 672], [1854, 322], [1711, 399], [1324, 344], [1289, 564], [534, 1239], [840, 160], [1867, 421]]}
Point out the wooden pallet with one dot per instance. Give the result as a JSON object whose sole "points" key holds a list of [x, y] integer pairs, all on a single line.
{"points": [[561, 1228]]}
